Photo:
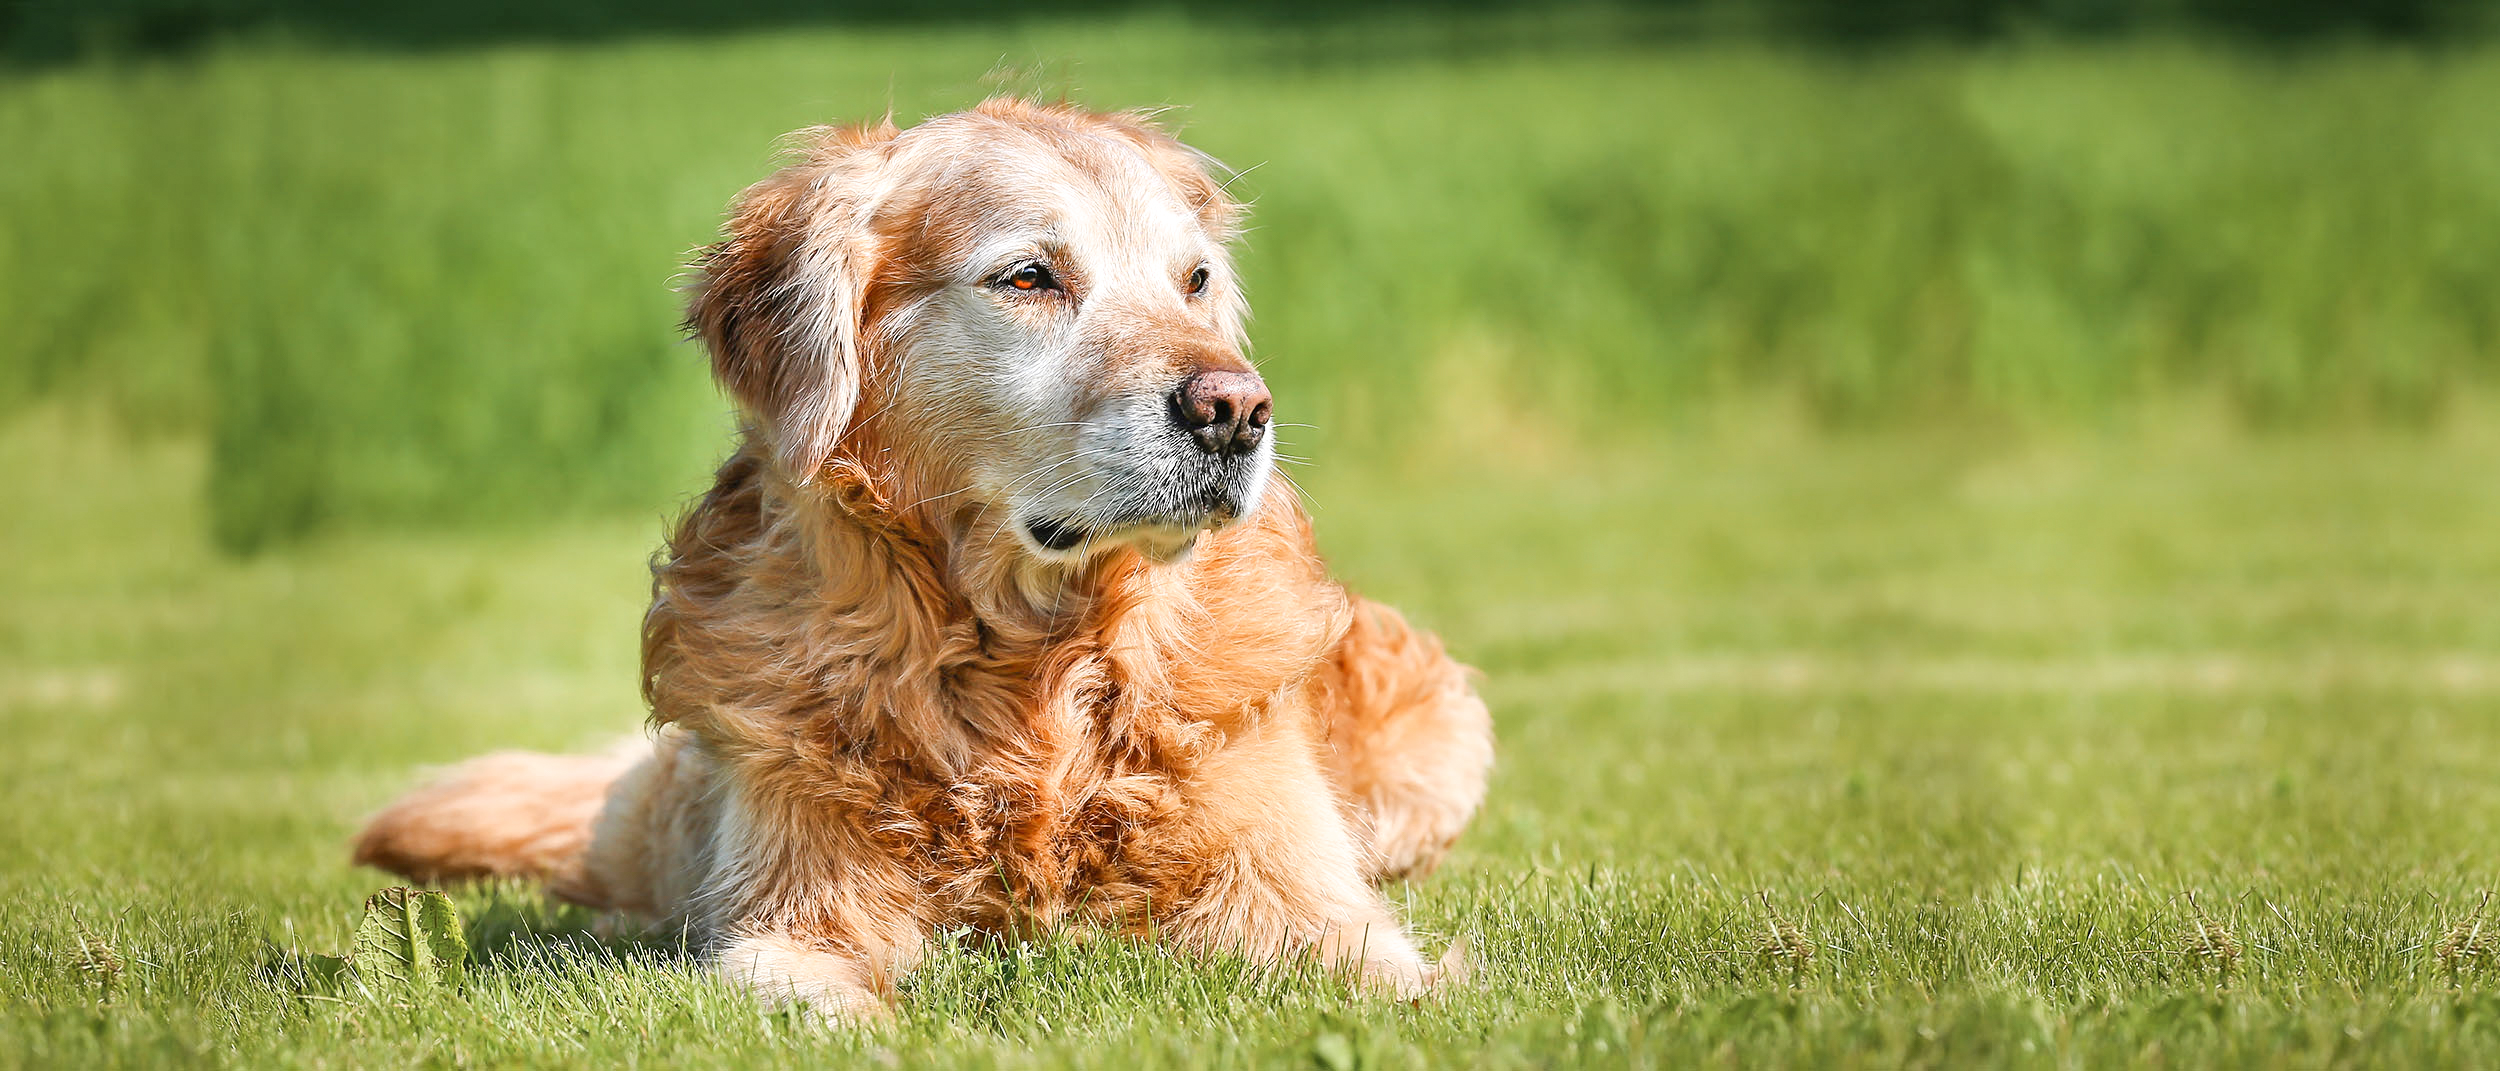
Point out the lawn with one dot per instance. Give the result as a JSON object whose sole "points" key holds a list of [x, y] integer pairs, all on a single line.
{"points": [[2017, 517], [1979, 713]]}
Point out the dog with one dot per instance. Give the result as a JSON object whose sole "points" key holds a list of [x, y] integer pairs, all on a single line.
{"points": [[997, 616]]}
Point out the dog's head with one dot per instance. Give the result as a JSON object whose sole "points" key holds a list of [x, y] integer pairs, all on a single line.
{"points": [[1021, 316]]}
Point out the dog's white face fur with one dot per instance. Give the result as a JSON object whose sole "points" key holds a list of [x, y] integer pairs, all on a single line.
{"points": [[1051, 353], [1000, 308]]}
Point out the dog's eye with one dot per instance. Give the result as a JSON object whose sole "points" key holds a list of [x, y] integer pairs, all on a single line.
{"points": [[1197, 280], [1031, 275]]}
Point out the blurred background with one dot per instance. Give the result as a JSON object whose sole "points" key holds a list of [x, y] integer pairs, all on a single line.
{"points": [[1992, 464], [411, 264]]}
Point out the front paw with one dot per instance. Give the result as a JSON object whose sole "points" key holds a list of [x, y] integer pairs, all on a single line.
{"points": [[1403, 978], [1382, 961], [1407, 976], [785, 973]]}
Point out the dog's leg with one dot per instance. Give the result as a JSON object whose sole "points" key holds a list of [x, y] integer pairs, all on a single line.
{"points": [[820, 975], [1289, 877], [509, 814], [651, 847], [804, 912], [1409, 742]]}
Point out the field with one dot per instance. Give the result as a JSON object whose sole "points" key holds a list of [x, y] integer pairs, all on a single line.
{"points": [[1979, 716], [2021, 514]]}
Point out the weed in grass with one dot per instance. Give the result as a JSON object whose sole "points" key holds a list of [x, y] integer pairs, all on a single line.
{"points": [[2469, 945], [410, 941], [2209, 944], [1785, 947], [99, 961]]}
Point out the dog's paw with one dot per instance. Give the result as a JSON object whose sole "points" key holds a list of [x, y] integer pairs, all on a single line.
{"points": [[820, 988], [1408, 977], [1399, 975], [1458, 964], [1398, 981]]}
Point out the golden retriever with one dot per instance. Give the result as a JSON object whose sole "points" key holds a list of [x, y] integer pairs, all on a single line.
{"points": [[995, 618]]}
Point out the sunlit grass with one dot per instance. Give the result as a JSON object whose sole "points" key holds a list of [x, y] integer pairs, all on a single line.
{"points": [[1865, 480], [1980, 712]]}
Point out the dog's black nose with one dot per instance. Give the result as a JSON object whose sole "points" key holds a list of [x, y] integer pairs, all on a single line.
{"points": [[1225, 413]]}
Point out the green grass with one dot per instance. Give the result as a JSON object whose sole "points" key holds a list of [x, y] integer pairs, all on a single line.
{"points": [[406, 288], [1979, 496], [1978, 710]]}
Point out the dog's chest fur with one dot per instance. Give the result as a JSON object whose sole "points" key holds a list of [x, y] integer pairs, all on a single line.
{"points": [[1088, 823], [1012, 774]]}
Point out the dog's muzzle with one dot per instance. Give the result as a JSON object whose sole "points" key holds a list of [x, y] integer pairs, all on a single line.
{"points": [[1203, 471]]}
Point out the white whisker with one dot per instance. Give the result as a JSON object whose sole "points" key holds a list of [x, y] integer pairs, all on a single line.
{"points": [[1308, 502]]}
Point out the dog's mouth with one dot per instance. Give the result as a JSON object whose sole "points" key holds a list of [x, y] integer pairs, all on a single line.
{"points": [[1142, 495], [1164, 537], [1056, 534]]}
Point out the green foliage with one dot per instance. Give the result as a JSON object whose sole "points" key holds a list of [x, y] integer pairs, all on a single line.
{"points": [[435, 289], [409, 942]]}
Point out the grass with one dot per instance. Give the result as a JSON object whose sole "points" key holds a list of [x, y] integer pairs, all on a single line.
{"points": [[400, 289], [1998, 722], [2015, 516]]}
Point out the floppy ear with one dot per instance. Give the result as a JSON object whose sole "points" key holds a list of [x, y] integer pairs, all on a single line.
{"points": [[778, 301]]}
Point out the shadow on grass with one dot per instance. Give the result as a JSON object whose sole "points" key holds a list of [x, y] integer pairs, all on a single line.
{"points": [[510, 929], [521, 929]]}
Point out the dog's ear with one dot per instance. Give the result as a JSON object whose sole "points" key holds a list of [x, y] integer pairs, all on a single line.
{"points": [[779, 300]]}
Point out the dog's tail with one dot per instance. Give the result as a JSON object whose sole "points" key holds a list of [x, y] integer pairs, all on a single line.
{"points": [[511, 814]]}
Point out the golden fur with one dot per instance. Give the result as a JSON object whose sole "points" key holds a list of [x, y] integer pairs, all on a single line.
{"points": [[880, 713]]}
